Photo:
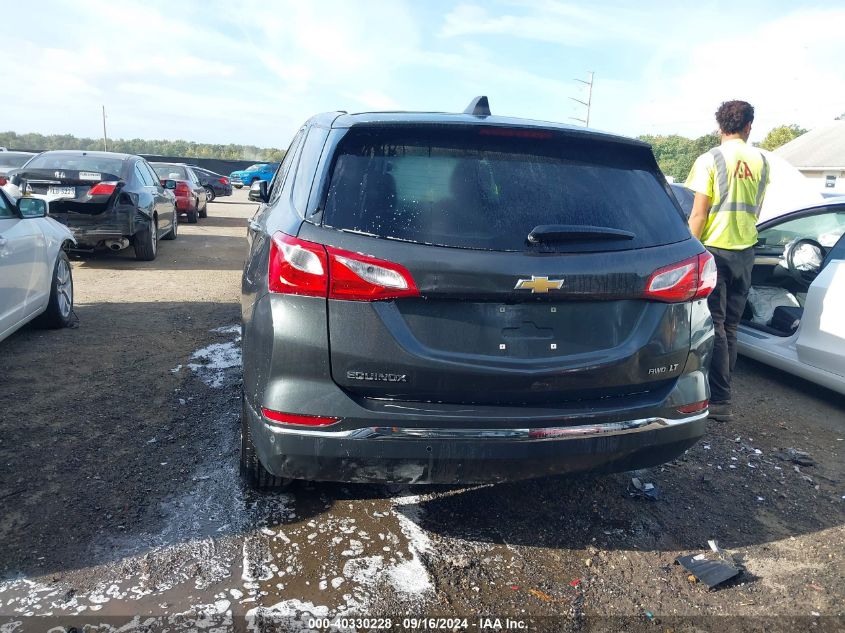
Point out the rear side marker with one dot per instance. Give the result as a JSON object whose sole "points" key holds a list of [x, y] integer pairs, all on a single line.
{"points": [[694, 407], [291, 418]]}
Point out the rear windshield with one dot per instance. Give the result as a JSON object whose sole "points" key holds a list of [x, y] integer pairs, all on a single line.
{"points": [[77, 163], [9, 160], [171, 172], [475, 188]]}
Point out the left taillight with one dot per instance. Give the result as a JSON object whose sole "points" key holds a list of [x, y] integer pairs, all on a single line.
{"points": [[306, 268], [103, 189], [690, 279]]}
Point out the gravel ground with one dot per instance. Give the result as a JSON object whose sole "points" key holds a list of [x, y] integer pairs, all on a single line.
{"points": [[121, 509]]}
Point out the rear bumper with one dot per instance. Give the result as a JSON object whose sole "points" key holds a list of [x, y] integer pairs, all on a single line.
{"points": [[183, 205], [463, 456]]}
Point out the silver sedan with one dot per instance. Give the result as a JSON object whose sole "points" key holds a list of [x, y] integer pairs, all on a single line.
{"points": [[35, 274]]}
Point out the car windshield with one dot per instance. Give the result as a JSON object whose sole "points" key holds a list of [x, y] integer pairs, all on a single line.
{"points": [[489, 191], [825, 227], [170, 172], [77, 163], [10, 160]]}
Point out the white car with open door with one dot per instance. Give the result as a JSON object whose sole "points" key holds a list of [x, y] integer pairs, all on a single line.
{"points": [[795, 316], [35, 274]]}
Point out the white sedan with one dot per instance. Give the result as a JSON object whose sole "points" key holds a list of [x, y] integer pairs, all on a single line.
{"points": [[35, 274], [794, 316]]}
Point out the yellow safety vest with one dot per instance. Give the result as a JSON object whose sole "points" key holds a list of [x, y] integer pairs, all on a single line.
{"points": [[734, 176]]}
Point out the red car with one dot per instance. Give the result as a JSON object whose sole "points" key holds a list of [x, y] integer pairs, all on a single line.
{"points": [[191, 197]]}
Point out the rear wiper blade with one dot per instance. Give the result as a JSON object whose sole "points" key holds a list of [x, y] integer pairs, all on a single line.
{"points": [[576, 232]]}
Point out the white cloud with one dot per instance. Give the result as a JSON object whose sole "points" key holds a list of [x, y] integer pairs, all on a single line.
{"points": [[788, 68], [549, 21]]}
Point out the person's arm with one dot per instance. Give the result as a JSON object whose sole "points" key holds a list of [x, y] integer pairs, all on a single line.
{"points": [[698, 215]]}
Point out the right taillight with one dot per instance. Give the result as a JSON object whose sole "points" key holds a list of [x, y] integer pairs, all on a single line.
{"points": [[182, 189], [706, 275], [690, 279], [307, 268]]}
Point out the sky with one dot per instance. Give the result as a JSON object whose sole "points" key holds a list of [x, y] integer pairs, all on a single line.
{"points": [[251, 72]]}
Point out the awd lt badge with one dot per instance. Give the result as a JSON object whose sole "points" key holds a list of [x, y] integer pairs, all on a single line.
{"points": [[539, 285]]}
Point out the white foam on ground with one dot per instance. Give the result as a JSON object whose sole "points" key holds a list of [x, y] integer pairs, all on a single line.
{"points": [[218, 361], [411, 576]]}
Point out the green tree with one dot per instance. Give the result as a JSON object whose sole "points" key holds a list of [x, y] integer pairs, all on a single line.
{"points": [[675, 154], [178, 147], [781, 135]]}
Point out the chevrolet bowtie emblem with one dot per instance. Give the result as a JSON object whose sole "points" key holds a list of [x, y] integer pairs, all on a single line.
{"points": [[538, 285]]}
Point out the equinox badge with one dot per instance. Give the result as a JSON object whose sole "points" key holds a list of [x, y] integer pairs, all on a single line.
{"points": [[538, 285]]}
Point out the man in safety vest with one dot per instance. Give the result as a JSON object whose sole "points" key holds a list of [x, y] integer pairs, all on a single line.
{"points": [[729, 184]]}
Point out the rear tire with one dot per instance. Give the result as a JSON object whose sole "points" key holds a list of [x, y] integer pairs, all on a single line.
{"points": [[193, 214], [237, 186], [145, 242], [59, 311], [253, 472], [204, 212], [174, 232], [209, 192]]}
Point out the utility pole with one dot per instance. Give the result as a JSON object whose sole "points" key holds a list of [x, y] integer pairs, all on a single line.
{"points": [[589, 100], [105, 136]]}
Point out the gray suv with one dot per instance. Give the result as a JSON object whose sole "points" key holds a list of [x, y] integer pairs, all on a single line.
{"points": [[458, 298]]}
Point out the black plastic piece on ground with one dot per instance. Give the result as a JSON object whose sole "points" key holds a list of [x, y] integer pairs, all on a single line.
{"points": [[709, 572]]}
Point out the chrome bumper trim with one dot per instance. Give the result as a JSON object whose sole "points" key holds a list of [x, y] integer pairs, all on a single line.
{"points": [[521, 434]]}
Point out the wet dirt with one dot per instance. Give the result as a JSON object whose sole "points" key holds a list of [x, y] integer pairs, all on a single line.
{"points": [[121, 506]]}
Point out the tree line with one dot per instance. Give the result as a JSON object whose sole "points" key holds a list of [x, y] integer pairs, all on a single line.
{"points": [[675, 154], [187, 149]]}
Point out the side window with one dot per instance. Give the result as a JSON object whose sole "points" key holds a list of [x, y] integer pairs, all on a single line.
{"points": [[279, 179], [5, 209], [141, 175], [154, 179], [311, 151]]}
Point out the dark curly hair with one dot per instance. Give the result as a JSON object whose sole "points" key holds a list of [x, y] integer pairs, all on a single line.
{"points": [[733, 116]]}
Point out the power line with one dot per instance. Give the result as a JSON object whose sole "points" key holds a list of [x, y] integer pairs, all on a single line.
{"points": [[589, 100], [105, 136]]}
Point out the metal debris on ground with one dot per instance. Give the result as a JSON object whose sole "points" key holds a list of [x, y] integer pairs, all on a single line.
{"points": [[801, 458], [707, 570], [645, 490]]}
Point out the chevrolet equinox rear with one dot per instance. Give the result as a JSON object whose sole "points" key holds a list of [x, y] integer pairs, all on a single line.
{"points": [[459, 298]]}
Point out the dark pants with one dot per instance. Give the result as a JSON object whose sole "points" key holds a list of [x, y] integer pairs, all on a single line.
{"points": [[727, 302]]}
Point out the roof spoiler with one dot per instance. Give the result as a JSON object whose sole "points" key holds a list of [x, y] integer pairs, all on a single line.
{"points": [[479, 107]]}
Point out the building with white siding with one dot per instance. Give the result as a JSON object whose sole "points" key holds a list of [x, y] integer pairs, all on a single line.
{"points": [[820, 156]]}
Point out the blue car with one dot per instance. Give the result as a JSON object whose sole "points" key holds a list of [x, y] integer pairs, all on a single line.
{"points": [[259, 171]]}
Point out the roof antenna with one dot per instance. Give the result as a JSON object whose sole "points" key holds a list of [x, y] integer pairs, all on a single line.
{"points": [[478, 107]]}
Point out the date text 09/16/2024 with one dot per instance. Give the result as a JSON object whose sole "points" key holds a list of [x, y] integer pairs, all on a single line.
{"points": [[421, 624]]}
